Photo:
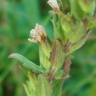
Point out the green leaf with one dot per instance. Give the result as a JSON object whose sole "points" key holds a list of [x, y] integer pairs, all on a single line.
{"points": [[88, 6], [27, 63], [76, 10]]}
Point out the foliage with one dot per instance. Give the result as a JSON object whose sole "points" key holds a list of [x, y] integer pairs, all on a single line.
{"points": [[73, 23]]}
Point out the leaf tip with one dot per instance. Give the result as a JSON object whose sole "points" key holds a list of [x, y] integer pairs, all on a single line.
{"points": [[11, 55]]}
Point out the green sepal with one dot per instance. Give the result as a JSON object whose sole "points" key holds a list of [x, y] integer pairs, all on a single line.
{"points": [[44, 53], [57, 55]]}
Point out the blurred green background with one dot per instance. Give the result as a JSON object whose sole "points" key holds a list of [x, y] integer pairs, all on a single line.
{"points": [[17, 18]]}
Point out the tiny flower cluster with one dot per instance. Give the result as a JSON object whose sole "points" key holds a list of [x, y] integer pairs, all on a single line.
{"points": [[54, 4], [37, 34]]}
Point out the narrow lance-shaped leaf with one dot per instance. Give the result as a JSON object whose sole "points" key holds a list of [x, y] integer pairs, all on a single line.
{"points": [[27, 63]]}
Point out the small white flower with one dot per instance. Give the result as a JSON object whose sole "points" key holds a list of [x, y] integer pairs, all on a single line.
{"points": [[54, 4], [37, 34]]}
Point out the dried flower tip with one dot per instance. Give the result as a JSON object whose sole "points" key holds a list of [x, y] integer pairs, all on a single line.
{"points": [[54, 4], [37, 34]]}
